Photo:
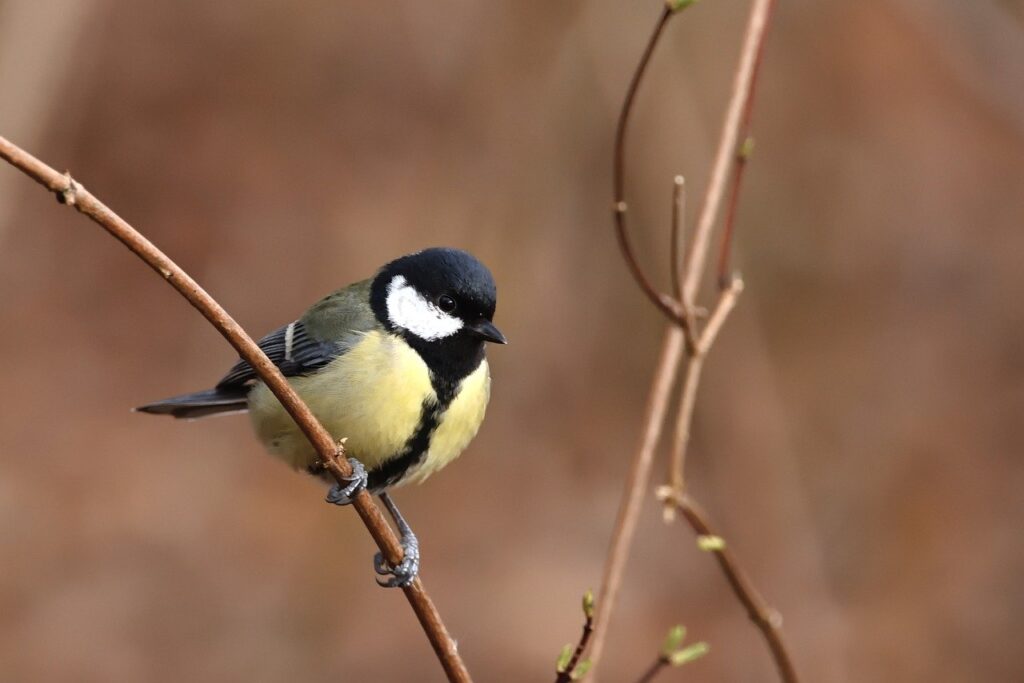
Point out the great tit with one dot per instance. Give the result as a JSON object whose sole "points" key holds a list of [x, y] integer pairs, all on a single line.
{"points": [[394, 364]]}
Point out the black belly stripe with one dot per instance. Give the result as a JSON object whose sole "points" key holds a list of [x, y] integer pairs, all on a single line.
{"points": [[415, 449]]}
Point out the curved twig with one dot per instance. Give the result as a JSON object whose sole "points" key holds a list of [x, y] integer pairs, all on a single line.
{"points": [[70, 192], [663, 302]]}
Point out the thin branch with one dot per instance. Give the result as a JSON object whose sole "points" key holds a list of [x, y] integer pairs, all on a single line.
{"points": [[743, 153], [653, 670], [569, 672], [767, 620], [70, 192], [636, 485], [677, 239], [671, 493], [696, 257], [742, 95], [725, 250], [726, 302], [664, 303]]}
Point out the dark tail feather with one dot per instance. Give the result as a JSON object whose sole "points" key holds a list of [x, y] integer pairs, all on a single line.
{"points": [[199, 404]]}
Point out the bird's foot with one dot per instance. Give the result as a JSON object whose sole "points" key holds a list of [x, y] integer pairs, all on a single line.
{"points": [[406, 571], [356, 482]]}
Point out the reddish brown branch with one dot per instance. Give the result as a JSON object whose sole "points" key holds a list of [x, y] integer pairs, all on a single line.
{"points": [[663, 302], [767, 620], [743, 153], [737, 116], [653, 670], [677, 238], [739, 103], [565, 675], [69, 192], [636, 485]]}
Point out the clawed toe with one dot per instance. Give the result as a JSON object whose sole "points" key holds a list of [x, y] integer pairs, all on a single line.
{"points": [[344, 495], [405, 572]]}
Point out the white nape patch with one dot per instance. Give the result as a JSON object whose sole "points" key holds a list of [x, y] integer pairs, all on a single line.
{"points": [[289, 339], [409, 310]]}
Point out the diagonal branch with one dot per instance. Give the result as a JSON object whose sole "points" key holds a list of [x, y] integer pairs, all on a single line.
{"points": [[636, 485], [767, 620], [743, 153], [742, 96], [671, 493], [69, 192]]}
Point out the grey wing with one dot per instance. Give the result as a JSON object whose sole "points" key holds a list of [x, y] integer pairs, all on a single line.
{"points": [[299, 348], [292, 349]]}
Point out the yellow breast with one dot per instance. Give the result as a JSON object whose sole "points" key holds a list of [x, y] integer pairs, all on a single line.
{"points": [[458, 424], [373, 395]]}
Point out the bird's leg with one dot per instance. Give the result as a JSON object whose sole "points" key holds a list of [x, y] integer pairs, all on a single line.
{"points": [[405, 572], [356, 482]]}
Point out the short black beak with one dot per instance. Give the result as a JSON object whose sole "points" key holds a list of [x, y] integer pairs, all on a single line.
{"points": [[486, 330]]}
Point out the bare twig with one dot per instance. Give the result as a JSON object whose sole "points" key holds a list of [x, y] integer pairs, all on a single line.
{"points": [[677, 239], [659, 663], [70, 192], [725, 251], [663, 302], [673, 496], [767, 620], [636, 484], [743, 152], [681, 315], [742, 95], [670, 493]]}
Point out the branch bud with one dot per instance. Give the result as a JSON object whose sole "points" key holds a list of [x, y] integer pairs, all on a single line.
{"points": [[563, 659], [677, 5], [689, 654], [673, 640], [710, 544], [746, 149], [588, 605]]}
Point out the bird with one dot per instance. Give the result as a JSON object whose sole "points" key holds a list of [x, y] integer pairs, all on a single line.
{"points": [[394, 364]]}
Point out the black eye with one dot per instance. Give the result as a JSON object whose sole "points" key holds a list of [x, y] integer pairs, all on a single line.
{"points": [[446, 303]]}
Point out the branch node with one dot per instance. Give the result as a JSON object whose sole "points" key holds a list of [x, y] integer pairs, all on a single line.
{"points": [[732, 281], [69, 195], [670, 497], [746, 149]]}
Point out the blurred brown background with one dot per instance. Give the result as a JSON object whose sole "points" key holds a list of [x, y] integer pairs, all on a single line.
{"points": [[857, 436]]}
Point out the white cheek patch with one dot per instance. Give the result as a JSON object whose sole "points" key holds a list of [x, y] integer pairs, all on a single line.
{"points": [[409, 310]]}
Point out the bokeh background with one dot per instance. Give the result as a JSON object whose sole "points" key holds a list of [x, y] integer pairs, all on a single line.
{"points": [[858, 433]]}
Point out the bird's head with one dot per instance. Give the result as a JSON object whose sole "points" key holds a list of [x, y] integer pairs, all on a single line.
{"points": [[441, 301]]}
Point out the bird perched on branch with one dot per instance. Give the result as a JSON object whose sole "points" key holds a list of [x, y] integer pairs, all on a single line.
{"points": [[394, 364]]}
